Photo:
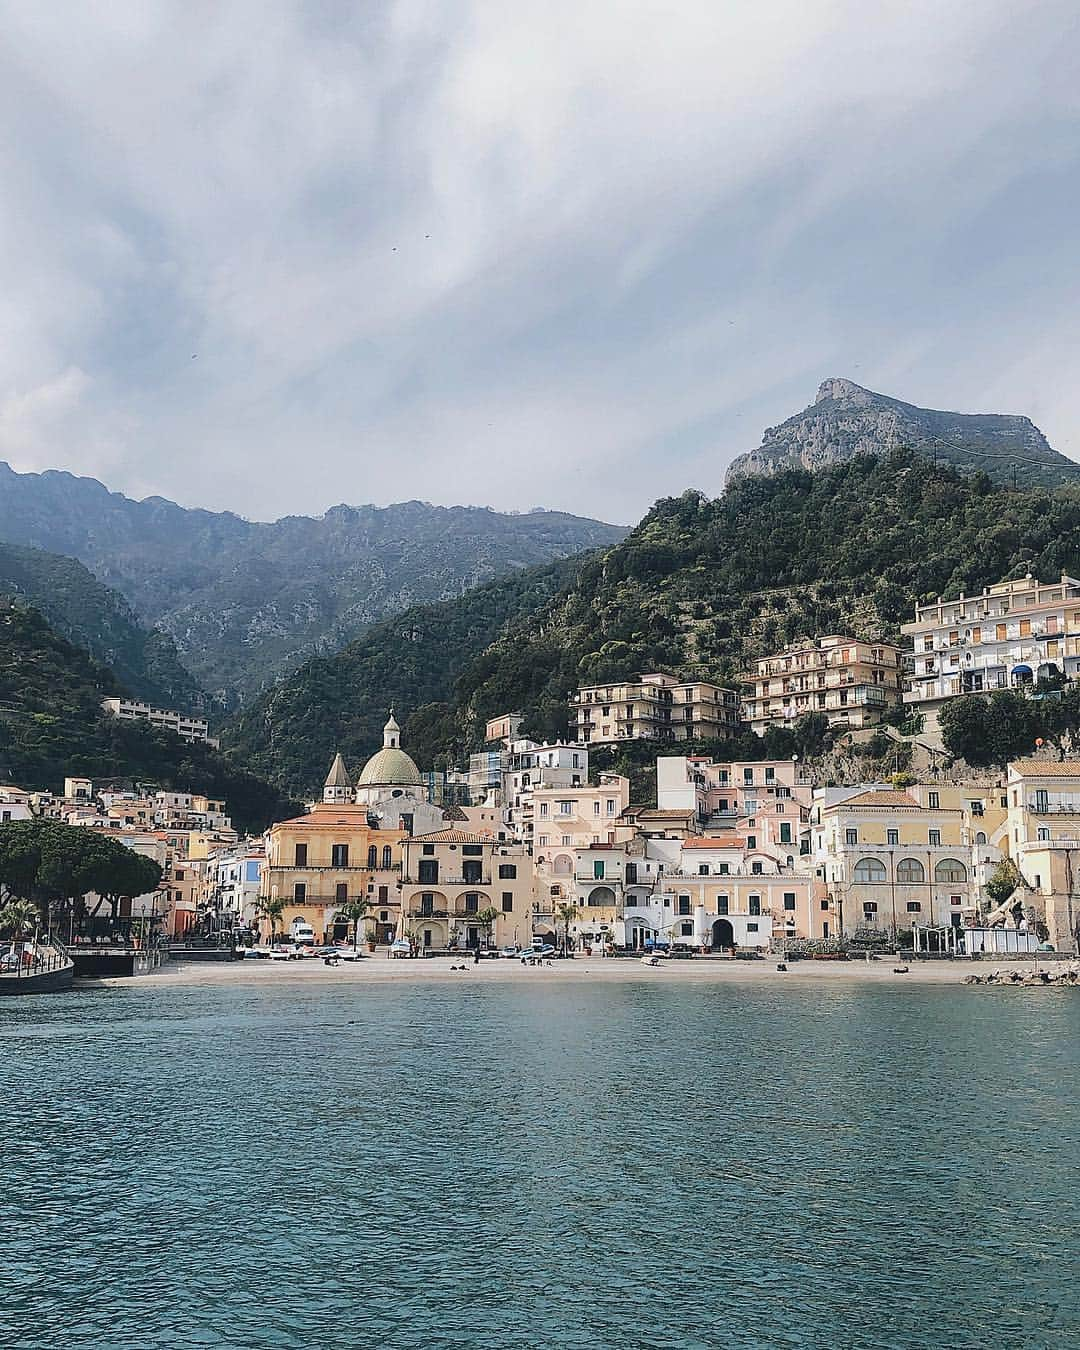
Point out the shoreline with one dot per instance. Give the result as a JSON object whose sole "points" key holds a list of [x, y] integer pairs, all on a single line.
{"points": [[378, 969]]}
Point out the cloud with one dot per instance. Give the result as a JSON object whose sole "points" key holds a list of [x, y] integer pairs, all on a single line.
{"points": [[273, 257]]}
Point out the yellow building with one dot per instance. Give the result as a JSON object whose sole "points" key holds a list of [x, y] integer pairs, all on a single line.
{"points": [[1044, 842], [450, 877], [850, 681], [886, 862], [326, 859]]}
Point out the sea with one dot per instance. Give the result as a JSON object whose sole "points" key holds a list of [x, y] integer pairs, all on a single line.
{"points": [[561, 1164]]}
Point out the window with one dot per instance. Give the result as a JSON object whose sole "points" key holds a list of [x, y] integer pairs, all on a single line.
{"points": [[722, 869], [427, 873], [869, 870], [910, 870], [610, 806], [566, 841], [1043, 834], [387, 857], [721, 904], [956, 900], [934, 800], [301, 856], [748, 777], [472, 903], [914, 907], [789, 899], [825, 905], [785, 832], [935, 838], [507, 871], [755, 904], [472, 872], [703, 869], [472, 850], [950, 870], [631, 873], [892, 838], [598, 871], [770, 775], [564, 808], [341, 893], [508, 902], [299, 893], [752, 927], [686, 929], [755, 869], [596, 808], [373, 856], [543, 808], [428, 850], [339, 855], [869, 908], [851, 836], [427, 904], [751, 841], [684, 904], [384, 894]]}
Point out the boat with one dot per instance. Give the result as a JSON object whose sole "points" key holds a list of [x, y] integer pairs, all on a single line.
{"points": [[35, 966], [653, 958]]}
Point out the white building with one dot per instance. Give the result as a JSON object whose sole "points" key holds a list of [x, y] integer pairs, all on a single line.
{"points": [[1009, 636], [186, 726]]}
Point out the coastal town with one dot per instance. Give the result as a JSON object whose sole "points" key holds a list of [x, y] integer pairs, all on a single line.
{"points": [[527, 849]]}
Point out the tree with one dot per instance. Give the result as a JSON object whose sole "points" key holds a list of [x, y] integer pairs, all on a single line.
{"points": [[52, 864], [354, 912], [486, 919], [567, 913], [1003, 881], [17, 918], [272, 908], [991, 731]]}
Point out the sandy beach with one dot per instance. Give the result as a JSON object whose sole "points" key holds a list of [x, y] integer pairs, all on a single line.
{"points": [[379, 969]]}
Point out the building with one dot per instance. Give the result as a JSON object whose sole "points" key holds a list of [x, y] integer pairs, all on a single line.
{"points": [[852, 682], [1009, 636], [1044, 842], [654, 707], [529, 767], [768, 799], [465, 891], [886, 862], [187, 727]]}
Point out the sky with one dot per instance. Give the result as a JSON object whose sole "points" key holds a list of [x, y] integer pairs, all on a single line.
{"points": [[271, 256]]}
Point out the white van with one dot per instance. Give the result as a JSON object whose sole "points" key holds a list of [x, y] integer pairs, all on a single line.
{"points": [[302, 933]]}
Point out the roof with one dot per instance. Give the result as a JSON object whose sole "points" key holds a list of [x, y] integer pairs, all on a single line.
{"points": [[339, 774], [1066, 768], [717, 841], [454, 813], [891, 797], [453, 837], [389, 767]]}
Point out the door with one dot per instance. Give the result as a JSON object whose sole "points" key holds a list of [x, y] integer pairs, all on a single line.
{"points": [[472, 937], [723, 935]]}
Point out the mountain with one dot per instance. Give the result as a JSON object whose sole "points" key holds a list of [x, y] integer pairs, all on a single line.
{"points": [[94, 617], [846, 420], [52, 725], [339, 702], [700, 587], [245, 600]]}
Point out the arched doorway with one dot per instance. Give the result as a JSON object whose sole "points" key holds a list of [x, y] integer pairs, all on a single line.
{"points": [[601, 895], [723, 935]]}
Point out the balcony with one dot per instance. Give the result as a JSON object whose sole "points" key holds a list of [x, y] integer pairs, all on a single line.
{"points": [[443, 882]]}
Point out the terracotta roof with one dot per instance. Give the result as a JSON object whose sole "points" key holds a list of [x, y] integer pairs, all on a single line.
{"points": [[454, 813], [880, 797], [1067, 768], [453, 837]]}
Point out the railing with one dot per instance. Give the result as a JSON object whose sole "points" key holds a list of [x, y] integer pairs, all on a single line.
{"points": [[47, 954], [448, 881], [331, 867]]}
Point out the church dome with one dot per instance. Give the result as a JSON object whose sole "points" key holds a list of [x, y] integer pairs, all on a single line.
{"points": [[389, 767]]}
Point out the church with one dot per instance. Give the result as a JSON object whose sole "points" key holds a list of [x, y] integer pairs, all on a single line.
{"points": [[347, 849]]}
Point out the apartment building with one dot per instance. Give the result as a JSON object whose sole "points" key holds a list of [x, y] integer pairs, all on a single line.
{"points": [[187, 727], [852, 682], [1009, 636], [465, 891], [886, 861], [1044, 842], [769, 800], [654, 707]]}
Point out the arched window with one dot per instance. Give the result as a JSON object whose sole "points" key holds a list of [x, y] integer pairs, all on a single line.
{"points": [[910, 869], [564, 865], [387, 856], [980, 837], [869, 869], [948, 869], [372, 856]]}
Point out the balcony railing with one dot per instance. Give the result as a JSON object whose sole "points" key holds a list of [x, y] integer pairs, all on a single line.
{"points": [[447, 881]]}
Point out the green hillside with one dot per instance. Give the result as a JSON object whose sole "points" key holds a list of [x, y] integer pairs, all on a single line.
{"points": [[51, 725], [99, 620], [698, 588]]}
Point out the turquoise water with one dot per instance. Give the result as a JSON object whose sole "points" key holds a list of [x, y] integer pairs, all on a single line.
{"points": [[557, 1165]]}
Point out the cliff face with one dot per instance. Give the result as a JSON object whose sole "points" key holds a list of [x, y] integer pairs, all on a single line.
{"points": [[846, 420]]}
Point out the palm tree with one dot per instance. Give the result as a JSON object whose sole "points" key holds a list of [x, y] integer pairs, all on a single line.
{"points": [[568, 913], [354, 912], [272, 909], [485, 919], [18, 917]]}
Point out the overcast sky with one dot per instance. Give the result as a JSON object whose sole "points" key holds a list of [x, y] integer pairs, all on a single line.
{"points": [[270, 256]]}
